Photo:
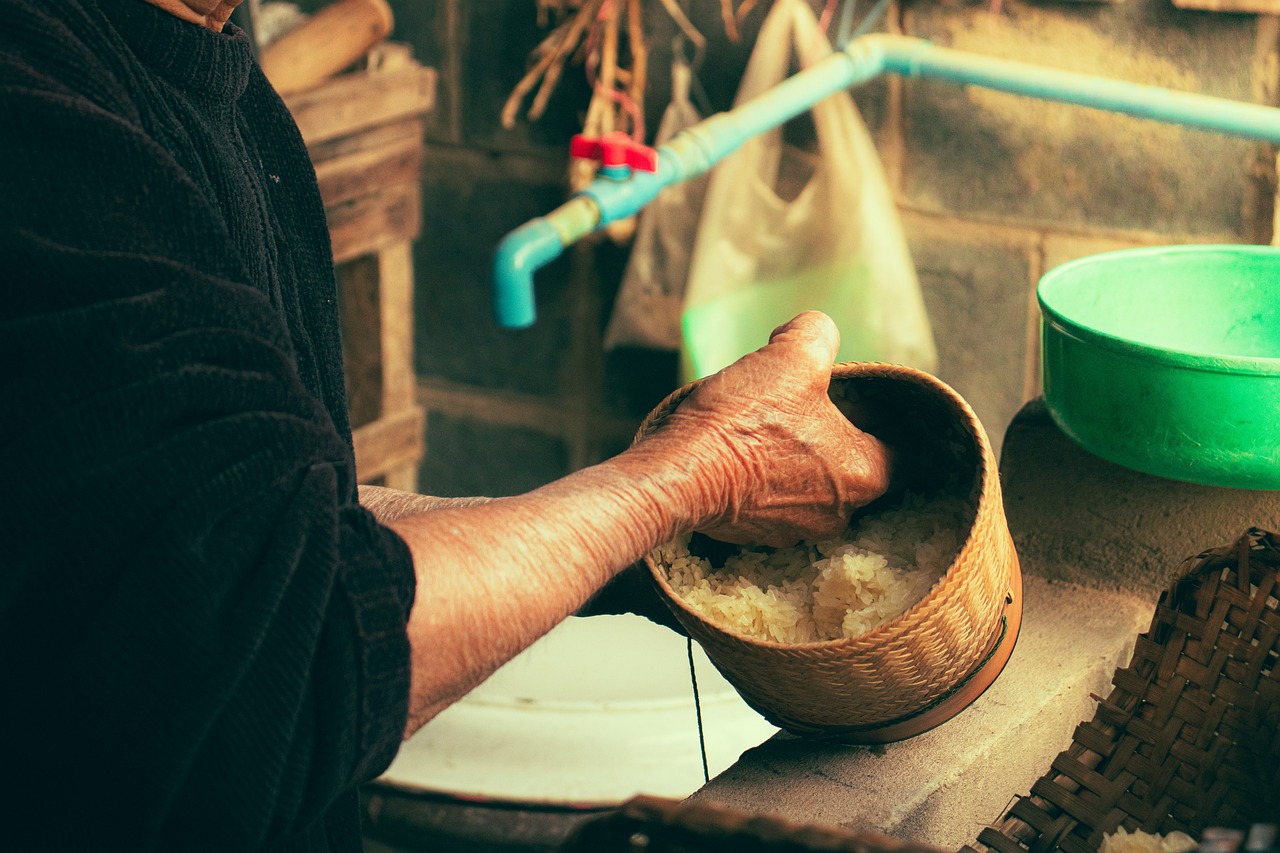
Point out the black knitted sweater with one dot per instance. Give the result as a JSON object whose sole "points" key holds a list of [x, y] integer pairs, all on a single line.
{"points": [[202, 634]]}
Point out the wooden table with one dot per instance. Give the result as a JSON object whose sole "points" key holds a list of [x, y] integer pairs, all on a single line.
{"points": [[364, 131]]}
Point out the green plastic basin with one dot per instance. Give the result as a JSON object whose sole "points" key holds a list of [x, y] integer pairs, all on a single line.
{"points": [[1167, 360]]}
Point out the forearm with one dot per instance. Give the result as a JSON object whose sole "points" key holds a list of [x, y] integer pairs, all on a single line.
{"points": [[493, 578], [388, 505]]}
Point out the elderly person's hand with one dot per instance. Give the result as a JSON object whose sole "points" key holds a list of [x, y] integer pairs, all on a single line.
{"points": [[785, 464], [757, 453]]}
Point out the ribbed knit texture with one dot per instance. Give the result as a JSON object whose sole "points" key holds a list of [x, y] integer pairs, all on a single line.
{"points": [[202, 635]]}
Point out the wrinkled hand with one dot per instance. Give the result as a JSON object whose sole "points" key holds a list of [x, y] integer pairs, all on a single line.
{"points": [[782, 460]]}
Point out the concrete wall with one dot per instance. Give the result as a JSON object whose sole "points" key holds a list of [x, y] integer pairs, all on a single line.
{"points": [[997, 189], [993, 189]]}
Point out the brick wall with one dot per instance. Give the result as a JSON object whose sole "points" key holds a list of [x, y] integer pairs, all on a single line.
{"points": [[994, 190]]}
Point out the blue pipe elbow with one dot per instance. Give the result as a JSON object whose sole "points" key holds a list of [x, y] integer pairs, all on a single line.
{"points": [[521, 253]]}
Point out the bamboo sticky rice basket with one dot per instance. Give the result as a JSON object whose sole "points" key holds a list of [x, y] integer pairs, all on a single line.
{"points": [[922, 667]]}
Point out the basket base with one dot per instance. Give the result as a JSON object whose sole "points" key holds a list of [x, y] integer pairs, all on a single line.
{"points": [[974, 687]]}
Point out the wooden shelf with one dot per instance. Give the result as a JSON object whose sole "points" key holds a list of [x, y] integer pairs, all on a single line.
{"points": [[364, 132]]}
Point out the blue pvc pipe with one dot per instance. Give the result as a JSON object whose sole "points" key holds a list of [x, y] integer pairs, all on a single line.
{"points": [[915, 58], [695, 150]]}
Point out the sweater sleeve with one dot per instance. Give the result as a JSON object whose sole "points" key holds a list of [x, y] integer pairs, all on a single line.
{"points": [[202, 634]]}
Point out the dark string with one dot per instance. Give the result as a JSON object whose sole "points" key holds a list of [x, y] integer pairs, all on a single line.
{"points": [[697, 707]]}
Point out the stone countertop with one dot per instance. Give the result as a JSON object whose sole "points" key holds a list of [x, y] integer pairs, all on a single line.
{"points": [[941, 787]]}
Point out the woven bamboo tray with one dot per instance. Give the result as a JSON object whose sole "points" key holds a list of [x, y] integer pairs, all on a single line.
{"points": [[1190, 735], [921, 668]]}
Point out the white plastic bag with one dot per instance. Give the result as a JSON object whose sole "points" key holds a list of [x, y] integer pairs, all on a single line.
{"points": [[651, 296], [836, 246]]}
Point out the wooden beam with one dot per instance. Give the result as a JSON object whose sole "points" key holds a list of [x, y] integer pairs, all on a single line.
{"points": [[360, 314], [404, 478], [376, 295], [351, 175], [354, 102], [370, 223], [389, 443], [374, 137], [395, 296]]}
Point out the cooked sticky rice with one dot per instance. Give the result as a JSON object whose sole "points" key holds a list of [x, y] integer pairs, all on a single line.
{"points": [[844, 587], [1123, 841]]}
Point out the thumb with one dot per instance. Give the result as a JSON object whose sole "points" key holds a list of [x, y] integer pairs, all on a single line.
{"points": [[812, 331]]}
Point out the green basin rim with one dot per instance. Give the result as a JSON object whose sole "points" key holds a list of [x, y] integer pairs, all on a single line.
{"points": [[1209, 362]]}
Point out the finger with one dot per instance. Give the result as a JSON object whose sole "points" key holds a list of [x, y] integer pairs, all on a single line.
{"points": [[875, 466], [814, 331]]}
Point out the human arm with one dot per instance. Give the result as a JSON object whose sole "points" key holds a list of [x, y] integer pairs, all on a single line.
{"points": [[627, 592], [756, 453], [388, 505]]}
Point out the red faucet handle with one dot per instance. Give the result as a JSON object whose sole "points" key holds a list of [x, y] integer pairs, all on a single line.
{"points": [[614, 149]]}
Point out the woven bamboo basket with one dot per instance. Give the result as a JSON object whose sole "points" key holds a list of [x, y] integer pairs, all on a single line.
{"points": [[921, 668], [1189, 736]]}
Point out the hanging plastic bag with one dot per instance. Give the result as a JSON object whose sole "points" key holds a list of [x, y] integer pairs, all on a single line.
{"points": [[836, 245], [651, 296]]}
